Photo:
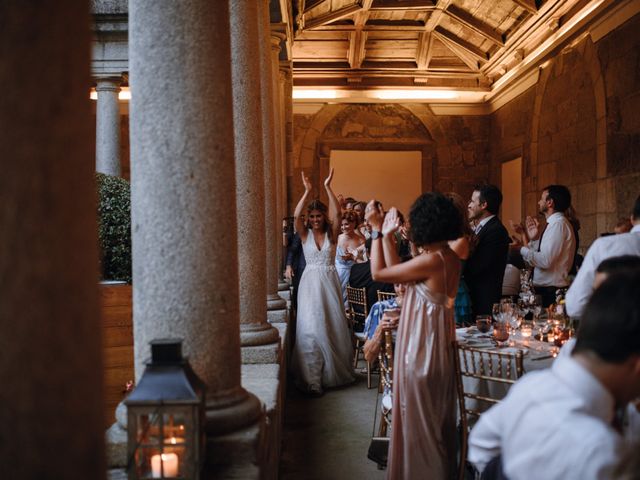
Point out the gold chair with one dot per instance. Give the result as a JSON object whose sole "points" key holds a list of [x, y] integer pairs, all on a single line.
{"points": [[357, 313], [385, 295], [385, 359], [490, 367]]}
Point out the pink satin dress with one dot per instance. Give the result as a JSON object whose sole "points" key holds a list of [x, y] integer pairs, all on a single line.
{"points": [[423, 442]]}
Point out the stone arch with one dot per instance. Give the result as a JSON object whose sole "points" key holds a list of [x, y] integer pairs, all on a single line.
{"points": [[587, 192]]}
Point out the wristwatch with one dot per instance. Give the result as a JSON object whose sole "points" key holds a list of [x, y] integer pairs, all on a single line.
{"points": [[375, 234]]}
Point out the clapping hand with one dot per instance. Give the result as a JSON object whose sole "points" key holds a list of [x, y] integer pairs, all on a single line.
{"points": [[306, 182], [327, 181], [374, 214], [391, 222], [533, 227]]}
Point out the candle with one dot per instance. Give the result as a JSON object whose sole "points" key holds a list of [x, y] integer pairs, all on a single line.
{"points": [[169, 462], [526, 331], [551, 338]]}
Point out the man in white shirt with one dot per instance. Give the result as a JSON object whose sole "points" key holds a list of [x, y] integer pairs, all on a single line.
{"points": [[601, 249], [559, 423], [551, 250]]}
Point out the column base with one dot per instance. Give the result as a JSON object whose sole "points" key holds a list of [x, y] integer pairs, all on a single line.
{"points": [[252, 334], [275, 302], [231, 411], [278, 316], [261, 354]]}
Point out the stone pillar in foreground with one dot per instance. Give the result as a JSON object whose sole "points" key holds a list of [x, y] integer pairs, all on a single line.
{"points": [[51, 399], [288, 121], [272, 223], [254, 328], [185, 258], [108, 126]]}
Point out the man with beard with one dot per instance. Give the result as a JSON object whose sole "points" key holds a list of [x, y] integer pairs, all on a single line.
{"points": [[549, 250], [484, 270]]}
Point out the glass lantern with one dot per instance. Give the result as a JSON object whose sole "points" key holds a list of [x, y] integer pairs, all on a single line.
{"points": [[165, 417]]}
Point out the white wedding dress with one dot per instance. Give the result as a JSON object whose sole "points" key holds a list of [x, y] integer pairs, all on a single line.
{"points": [[323, 350]]}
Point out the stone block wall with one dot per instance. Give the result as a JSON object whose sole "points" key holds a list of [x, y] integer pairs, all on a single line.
{"points": [[455, 149], [579, 126]]}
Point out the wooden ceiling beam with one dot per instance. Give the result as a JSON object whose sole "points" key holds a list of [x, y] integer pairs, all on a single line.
{"points": [[332, 16], [529, 5], [474, 24], [468, 59], [414, 5], [424, 53], [436, 16], [357, 42], [452, 39]]}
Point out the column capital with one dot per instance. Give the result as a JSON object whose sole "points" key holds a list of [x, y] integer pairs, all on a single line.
{"points": [[276, 38], [108, 83]]}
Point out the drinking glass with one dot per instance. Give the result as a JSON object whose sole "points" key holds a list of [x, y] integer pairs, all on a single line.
{"points": [[501, 333], [483, 323], [496, 312]]}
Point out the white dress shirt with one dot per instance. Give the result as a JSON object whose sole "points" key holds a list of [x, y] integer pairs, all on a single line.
{"points": [[553, 424], [603, 248], [555, 258]]}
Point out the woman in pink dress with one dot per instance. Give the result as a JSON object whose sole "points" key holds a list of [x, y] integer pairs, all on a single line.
{"points": [[424, 397]]}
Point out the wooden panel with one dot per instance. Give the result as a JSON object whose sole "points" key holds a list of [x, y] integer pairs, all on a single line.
{"points": [[117, 340]]}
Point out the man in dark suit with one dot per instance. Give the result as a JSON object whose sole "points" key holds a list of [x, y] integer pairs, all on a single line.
{"points": [[360, 276], [484, 269], [295, 265]]}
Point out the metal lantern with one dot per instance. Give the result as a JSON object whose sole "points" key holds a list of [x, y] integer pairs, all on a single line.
{"points": [[165, 417]]}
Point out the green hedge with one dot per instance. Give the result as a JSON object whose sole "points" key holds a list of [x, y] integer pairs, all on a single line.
{"points": [[114, 227]]}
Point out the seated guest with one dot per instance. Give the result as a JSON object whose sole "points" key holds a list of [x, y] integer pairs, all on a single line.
{"points": [[360, 276], [550, 250], [559, 422], [511, 282], [601, 249], [377, 322]]}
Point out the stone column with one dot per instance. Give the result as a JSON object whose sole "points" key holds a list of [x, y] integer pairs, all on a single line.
{"points": [[272, 223], [185, 258], [254, 328], [108, 126], [288, 126], [51, 400], [278, 121]]}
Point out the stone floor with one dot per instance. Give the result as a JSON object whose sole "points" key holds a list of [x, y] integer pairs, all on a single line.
{"points": [[328, 437]]}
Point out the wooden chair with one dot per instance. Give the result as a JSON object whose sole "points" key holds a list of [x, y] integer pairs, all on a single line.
{"points": [[385, 295], [487, 366], [357, 313]]}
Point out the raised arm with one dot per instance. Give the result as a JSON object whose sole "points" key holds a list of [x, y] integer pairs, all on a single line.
{"points": [[334, 206], [298, 224], [416, 269]]}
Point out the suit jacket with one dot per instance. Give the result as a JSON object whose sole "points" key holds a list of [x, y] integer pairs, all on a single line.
{"points": [[484, 270], [360, 276], [295, 258]]}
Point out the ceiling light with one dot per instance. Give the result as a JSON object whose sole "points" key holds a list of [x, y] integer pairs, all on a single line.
{"points": [[415, 94], [306, 94]]}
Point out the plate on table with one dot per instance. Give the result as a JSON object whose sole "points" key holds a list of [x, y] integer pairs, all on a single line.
{"points": [[514, 350], [479, 342]]}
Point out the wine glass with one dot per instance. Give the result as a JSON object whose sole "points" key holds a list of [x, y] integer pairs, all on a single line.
{"points": [[501, 333], [483, 323], [496, 312]]}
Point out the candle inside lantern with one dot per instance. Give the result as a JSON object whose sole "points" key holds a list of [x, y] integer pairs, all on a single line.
{"points": [[169, 463], [526, 331], [551, 338]]}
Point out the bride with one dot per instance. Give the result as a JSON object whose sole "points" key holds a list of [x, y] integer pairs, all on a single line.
{"points": [[323, 350]]}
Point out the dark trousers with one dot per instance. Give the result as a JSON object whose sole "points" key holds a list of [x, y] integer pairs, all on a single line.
{"points": [[548, 294]]}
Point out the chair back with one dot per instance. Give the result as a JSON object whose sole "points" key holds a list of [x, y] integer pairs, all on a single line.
{"points": [[385, 295], [485, 367], [385, 360], [357, 301]]}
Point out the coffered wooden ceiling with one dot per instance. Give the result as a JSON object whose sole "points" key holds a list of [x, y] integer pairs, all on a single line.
{"points": [[436, 43]]}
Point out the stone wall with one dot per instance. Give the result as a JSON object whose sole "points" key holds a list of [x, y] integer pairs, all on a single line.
{"points": [[455, 149], [579, 126]]}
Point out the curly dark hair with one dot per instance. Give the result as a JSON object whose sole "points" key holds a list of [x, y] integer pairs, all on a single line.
{"points": [[434, 218]]}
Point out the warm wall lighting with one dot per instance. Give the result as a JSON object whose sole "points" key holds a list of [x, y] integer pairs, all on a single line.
{"points": [[415, 94], [124, 94], [306, 94]]}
